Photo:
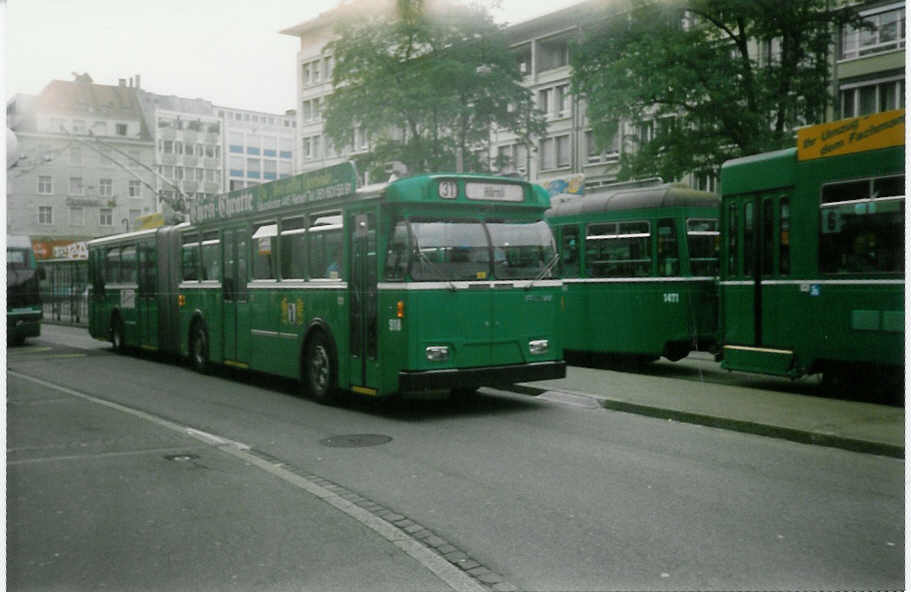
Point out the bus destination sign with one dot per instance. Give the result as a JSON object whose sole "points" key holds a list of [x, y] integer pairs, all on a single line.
{"points": [[328, 183]]}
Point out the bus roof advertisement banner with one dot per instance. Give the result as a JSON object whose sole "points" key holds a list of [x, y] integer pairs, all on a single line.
{"points": [[880, 130], [328, 183]]}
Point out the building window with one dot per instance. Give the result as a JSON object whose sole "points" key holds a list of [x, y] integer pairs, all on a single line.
{"points": [[544, 100], [253, 168], [285, 147], [178, 173], [121, 129], [610, 152], [45, 185], [872, 97], [236, 166], [106, 217], [564, 101], [105, 187], [885, 31], [563, 152], [270, 171], [77, 216], [76, 187], [45, 215], [135, 189]]}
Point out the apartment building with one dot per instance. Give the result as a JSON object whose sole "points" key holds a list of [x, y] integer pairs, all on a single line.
{"points": [[80, 170], [867, 71], [258, 147]]}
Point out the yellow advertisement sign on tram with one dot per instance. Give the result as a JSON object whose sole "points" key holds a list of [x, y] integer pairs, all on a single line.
{"points": [[880, 130]]}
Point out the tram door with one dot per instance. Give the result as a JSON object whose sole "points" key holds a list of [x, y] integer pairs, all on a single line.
{"points": [[363, 295], [235, 317], [752, 220], [147, 299]]}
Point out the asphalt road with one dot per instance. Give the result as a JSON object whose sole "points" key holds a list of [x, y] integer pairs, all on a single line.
{"points": [[549, 494]]}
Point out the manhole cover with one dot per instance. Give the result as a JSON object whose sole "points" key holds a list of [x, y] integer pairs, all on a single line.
{"points": [[355, 440], [181, 457]]}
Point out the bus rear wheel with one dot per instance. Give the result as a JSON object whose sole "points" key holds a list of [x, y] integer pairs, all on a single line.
{"points": [[318, 369], [199, 348]]}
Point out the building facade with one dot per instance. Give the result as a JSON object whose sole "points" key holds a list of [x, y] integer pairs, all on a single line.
{"points": [[867, 72], [258, 147], [81, 168]]}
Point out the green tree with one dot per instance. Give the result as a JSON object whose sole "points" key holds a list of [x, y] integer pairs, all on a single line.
{"points": [[428, 82], [704, 81]]}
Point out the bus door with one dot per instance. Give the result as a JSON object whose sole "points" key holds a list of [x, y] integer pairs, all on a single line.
{"points": [[147, 299], [363, 297], [235, 317]]}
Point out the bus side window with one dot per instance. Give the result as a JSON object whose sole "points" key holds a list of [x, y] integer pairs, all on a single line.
{"points": [[128, 264], [294, 248], [210, 256], [569, 249], [325, 250], [265, 240], [190, 256], [668, 257], [732, 239], [397, 253], [112, 265]]}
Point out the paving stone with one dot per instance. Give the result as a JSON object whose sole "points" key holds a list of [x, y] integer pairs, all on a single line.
{"points": [[447, 548], [468, 564], [455, 556], [504, 587], [490, 578], [421, 535], [477, 571], [413, 528], [434, 541]]}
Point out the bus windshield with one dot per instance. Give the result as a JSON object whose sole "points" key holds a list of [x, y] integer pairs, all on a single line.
{"points": [[448, 250], [21, 278]]}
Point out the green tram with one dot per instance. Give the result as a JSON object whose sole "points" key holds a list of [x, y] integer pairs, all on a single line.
{"points": [[23, 299], [812, 278], [639, 265], [432, 282]]}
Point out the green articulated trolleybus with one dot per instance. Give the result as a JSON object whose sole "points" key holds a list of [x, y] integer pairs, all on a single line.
{"points": [[432, 282], [639, 263], [812, 275]]}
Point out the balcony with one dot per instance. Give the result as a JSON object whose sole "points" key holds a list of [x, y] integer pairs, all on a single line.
{"points": [[189, 185], [212, 188], [190, 136], [211, 163], [167, 133], [190, 161], [169, 159]]}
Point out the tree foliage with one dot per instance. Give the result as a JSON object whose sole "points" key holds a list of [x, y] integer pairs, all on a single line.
{"points": [[427, 81], [718, 79]]}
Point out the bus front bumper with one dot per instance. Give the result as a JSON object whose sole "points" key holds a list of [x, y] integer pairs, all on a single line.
{"points": [[434, 380]]}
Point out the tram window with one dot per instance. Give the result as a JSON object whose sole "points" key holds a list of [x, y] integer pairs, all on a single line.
{"points": [[748, 239], [325, 248], [768, 237], [210, 256], [128, 264], [397, 253], [265, 240], [112, 265], [148, 268], [294, 248], [569, 249], [732, 239], [863, 234], [618, 250], [190, 256], [702, 242], [784, 236], [668, 254]]}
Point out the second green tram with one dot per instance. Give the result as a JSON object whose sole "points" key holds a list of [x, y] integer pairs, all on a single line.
{"points": [[433, 282], [812, 278], [639, 264]]}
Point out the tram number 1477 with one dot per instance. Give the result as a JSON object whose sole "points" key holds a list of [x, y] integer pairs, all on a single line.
{"points": [[671, 298]]}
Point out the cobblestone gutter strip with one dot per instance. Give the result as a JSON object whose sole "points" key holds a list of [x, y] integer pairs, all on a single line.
{"points": [[451, 564]]}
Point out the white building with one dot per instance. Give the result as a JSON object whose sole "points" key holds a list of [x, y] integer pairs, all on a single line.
{"points": [[258, 147]]}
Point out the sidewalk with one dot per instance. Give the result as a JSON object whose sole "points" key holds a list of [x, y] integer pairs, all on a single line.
{"points": [[711, 396]]}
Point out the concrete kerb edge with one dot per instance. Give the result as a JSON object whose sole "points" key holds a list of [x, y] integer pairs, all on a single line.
{"points": [[759, 429]]}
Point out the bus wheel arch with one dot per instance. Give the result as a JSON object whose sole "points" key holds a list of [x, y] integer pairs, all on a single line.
{"points": [[198, 344], [319, 363]]}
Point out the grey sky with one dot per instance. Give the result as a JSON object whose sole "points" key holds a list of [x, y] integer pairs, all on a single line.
{"points": [[225, 51]]}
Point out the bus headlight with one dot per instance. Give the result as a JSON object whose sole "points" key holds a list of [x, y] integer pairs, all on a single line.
{"points": [[538, 346], [437, 353]]}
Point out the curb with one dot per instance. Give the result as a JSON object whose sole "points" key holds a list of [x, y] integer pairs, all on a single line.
{"points": [[748, 427]]}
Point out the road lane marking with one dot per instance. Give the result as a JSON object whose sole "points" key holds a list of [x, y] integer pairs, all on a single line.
{"points": [[450, 574]]}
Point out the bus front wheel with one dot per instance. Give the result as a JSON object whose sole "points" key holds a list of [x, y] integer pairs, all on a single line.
{"points": [[199, 348], [318, 369]]}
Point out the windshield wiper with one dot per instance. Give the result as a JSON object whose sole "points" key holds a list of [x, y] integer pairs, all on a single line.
{"points": [[547, 269]]}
